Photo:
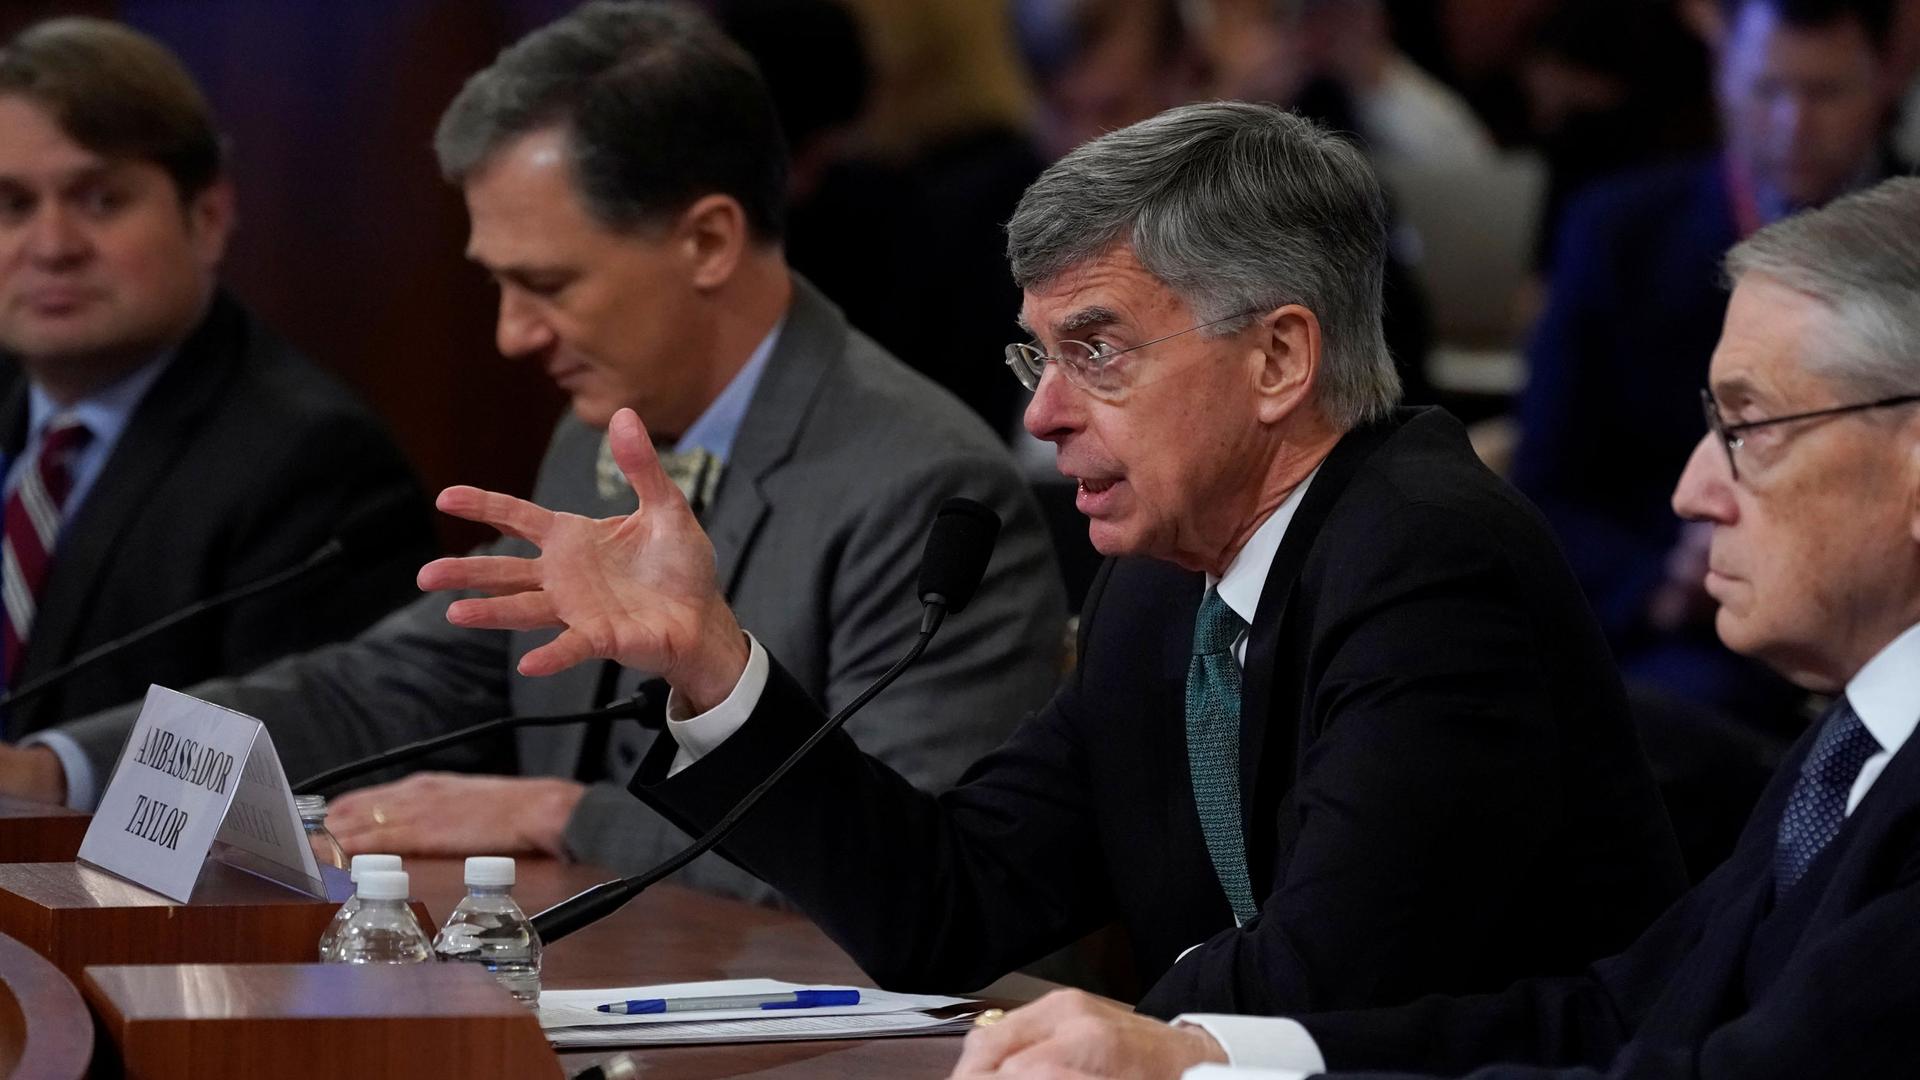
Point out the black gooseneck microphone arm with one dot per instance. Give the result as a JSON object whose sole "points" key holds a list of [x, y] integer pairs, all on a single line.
{"points": [[596, 902], [357, 537], [955, 560], [634, 707], [326, 553]]}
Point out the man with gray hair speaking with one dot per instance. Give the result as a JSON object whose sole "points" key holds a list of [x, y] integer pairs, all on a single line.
{"points": [[1342, 732], [1796, 958]]}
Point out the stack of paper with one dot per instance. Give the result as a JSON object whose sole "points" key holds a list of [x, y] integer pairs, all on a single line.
{"points": [[571, 1018]]}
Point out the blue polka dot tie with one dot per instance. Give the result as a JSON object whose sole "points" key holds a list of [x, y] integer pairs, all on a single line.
{"points": [[1213, 746], [1818, 805]]}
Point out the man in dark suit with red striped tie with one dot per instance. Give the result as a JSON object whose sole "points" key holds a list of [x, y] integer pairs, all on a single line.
{"points": [[158, 443]]}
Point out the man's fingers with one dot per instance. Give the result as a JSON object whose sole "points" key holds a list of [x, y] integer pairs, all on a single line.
{"points": [[521, 611], [633, 452], [986, 1047], [556, 656], [515, 517], [495, 574]]}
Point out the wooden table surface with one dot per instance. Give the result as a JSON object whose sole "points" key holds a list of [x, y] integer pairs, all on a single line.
{"points": [[671, 934]]}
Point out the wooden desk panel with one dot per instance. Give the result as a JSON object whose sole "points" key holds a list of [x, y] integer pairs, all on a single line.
{"points": [[77, 916], [239, 1021], [37, 832]]}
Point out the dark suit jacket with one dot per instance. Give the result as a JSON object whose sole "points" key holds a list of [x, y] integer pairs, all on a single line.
{"points": [[242, 459], [1725, 984], [1439, 782]]}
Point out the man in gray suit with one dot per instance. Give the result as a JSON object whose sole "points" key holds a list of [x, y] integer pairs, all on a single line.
{"points": [[625, 179]]}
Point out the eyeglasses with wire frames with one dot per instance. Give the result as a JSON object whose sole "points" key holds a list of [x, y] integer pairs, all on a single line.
{"points": [[1089, 367], [1732, 436]]}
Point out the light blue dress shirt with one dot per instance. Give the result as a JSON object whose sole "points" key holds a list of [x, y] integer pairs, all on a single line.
{"points": [[717, 427]]}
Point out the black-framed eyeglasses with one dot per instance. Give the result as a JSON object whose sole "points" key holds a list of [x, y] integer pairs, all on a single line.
{"points": [[1089, 367], [1732, 436]]}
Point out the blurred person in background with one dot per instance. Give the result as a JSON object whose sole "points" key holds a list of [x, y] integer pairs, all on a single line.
{"points": [[1100, 65], [1612, 85], [1610, 413], [160, 444], [1475, 47], [1332, 62], [1307, 51], [906, 229]]}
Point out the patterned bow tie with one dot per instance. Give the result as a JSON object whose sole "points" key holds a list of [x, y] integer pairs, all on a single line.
{"points": [[695, 472]]}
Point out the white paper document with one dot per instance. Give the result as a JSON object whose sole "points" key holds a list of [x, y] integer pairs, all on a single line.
{"points": [[571, 1018]]}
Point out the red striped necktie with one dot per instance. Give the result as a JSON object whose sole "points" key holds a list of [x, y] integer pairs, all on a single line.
{"points": [[32, 527]]}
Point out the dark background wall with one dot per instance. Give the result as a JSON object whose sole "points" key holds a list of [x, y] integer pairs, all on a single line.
{"points": [[349, 242]]}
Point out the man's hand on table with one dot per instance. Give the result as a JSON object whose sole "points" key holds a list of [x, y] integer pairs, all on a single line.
{"points": [[1070, 1034], [639, 590], [453, 814], [32, 773]]}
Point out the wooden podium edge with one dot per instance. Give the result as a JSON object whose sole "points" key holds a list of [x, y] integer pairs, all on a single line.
{"points": [[41, 1004]]}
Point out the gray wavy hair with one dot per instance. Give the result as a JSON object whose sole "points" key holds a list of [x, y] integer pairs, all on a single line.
{"points": [[1860, 257], [1236, 207]]}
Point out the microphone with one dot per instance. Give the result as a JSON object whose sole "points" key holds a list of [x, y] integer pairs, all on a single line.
{"points": [[635, 706], [950, 570], [355, 537]]}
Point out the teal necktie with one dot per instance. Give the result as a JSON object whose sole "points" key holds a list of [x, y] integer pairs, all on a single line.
{"points": [[1213, 746]]}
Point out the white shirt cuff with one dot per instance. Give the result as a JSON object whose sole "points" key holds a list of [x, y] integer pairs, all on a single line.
{"points": [[1263, 1042], [1235, 1072], [82, 786], [699, 735]]}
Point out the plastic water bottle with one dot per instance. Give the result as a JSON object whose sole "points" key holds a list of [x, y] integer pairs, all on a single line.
{"points": [[313, 819], [384, 930], [330, 937], [488, 928]]}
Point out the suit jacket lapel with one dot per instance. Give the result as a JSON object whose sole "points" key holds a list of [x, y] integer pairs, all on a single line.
{"points": [[1262, 759], [811, 340], [13, 418], [161, 426]]}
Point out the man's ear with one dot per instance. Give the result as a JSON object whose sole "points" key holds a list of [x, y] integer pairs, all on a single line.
{"points": [[1287, 367], [210, 218], [712, 236], [1910, 478]]}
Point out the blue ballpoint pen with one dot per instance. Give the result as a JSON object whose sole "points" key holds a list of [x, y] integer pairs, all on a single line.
{"points": [[796, 999]]}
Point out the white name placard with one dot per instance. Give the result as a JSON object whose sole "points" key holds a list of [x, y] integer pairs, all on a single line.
{"points": [[192, 773]]}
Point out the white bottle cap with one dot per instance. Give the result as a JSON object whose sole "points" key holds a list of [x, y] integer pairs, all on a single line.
{"points": [[489, 870], [363, 863], [385, 885]]}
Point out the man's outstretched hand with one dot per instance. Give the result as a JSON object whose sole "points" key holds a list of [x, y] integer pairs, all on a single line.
{"points": [[638, 590]]}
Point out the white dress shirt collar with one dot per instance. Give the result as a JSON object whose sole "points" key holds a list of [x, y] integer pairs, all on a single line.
{"points": [[1246, 575], [1885, 694]]}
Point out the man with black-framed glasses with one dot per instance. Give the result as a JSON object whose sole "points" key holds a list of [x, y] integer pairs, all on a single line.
{"points": [[1634, 306], [1342, 732]]}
